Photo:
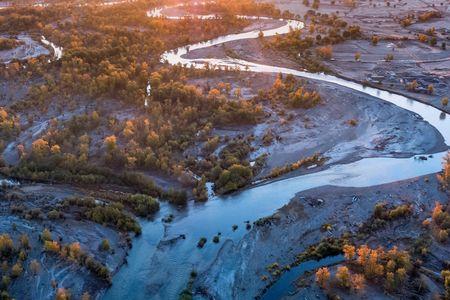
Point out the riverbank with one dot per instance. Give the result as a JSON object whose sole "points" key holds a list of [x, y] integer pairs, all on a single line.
{"points": [[238, 269]]}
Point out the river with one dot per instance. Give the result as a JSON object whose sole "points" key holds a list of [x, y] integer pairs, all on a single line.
{"points": [[160, 262]]}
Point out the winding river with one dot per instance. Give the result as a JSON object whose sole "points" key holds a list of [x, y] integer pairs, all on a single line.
{"points": [[160, 261]]}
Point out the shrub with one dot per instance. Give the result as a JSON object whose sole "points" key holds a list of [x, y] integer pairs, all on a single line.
{"points": [[52, 246], [201, 243], [233, 178], [16, 270], [104, 245], [35, 267], [46, 235], [6, 245], [62, 294], [325, 51], [375, 40], [322, 277], [343, 276], [54, 214]]}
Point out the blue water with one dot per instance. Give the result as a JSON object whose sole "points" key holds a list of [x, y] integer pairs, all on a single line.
{"points": [[284, 286]]}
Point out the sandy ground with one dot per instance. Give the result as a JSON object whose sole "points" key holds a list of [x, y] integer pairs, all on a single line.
{"points": [[238, 268]]}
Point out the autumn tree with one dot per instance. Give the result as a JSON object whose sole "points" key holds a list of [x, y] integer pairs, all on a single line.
{"points": [[343, 276], [35, 267], [322, 277], [110, 143], [349, 251]]}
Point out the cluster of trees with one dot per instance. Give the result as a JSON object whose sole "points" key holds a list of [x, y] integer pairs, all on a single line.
{"points": [[112, 214], [383, 214], [14, 261], [315, 159], [444, 177], [7, 43], [231, 170], [176, 113], [324, 31], [445, 274], [233, 178], [9, 125], [421, 17], [292, 92], [390, 268], [440, 222], [109, 51], [73, 253], [142, 205]]}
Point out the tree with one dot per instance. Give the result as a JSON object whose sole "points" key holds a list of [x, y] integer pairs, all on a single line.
{"points": [[110, 143], [446, 277], [322, 277], [375, 40], [349, 251], [46, 235], [444, 101], [16, 270], [104, 245], [233, 178], [24, 241], [363, 252], [6, 245], [442, 235], [444, 177], [343, 276], [357, 282], [390, 281], [325, 51], [35, 267], [40, 148], [55, 149], [74, 250], [62, 294]]}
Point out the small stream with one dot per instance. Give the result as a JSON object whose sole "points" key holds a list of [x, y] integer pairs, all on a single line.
{"points": [[160, 261], [285, 284]]}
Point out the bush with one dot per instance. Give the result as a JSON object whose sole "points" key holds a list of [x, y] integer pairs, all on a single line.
{"points": [[143, 205], [237, 176], [201, 243], [46, 235], [104, 245], [16, 270], [54, 214]]}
